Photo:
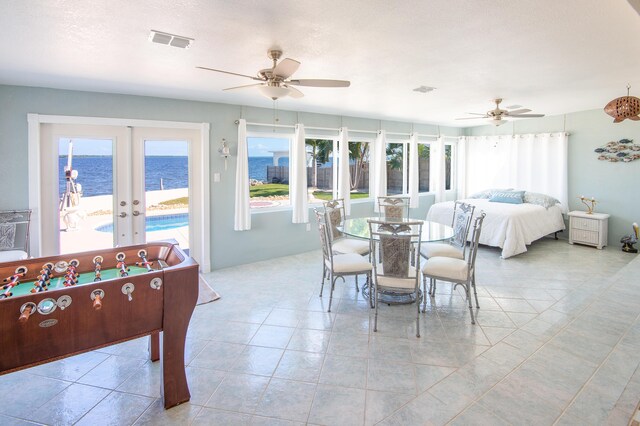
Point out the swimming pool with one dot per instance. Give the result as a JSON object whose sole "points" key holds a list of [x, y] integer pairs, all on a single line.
{"points": [[156, 223]]}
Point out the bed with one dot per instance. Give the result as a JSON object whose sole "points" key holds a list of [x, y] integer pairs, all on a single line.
{"points": [[509, 226]]}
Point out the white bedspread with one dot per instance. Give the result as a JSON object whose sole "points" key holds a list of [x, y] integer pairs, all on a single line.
{"points": [[509, 226]]}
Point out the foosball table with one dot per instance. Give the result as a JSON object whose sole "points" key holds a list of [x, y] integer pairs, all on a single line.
{"points": [[59, 306]]}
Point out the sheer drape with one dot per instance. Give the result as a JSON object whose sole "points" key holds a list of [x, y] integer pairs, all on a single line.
{"points": [[536, 163], [242, 219], [344, 178], [413, 172], [461, 168], [437, 169], [298, 176], [378, 175]]}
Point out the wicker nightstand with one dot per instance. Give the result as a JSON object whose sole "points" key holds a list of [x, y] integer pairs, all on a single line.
{"points": [[589, 229]]}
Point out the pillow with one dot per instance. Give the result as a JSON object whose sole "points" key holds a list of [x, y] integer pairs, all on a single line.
{"points": [[509, 197], [488, 193], [543, 200]]}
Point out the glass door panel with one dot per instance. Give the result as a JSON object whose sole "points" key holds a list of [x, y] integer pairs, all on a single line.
{"points": [[166, 190], [85, 188]]}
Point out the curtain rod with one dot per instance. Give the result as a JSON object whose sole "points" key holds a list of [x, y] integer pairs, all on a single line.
{"points": [[333, 129]]}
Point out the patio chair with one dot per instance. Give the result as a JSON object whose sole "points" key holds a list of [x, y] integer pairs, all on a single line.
{"points": [[457, 271], [342, 243], [393, 207], [14, 235], [396, 267], [456, 246], [336, 266]]}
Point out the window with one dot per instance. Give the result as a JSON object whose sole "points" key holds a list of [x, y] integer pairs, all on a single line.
{"points": [[320, 174], [397, 168], [268, 171], [423, 167], [359, 169], [448, 153]]}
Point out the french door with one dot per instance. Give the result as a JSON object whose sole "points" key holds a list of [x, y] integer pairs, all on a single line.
{"points": [[102, 186]]}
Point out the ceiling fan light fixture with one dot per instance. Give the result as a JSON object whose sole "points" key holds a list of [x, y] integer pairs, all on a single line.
{"points": [[273, 92], [498, 121]]}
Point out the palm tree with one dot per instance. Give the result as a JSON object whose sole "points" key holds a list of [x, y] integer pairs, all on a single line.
{"points": [[359, 152], [320, 151]]}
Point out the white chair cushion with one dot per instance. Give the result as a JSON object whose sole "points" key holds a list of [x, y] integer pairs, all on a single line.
{"points": [[350, 263], [350, 245], [407, 284], [430, 250], [446, 267], [11, 255]]}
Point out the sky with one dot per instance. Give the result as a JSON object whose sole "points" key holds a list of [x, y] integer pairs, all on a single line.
{"points": [[262, 147], [104, 147]]}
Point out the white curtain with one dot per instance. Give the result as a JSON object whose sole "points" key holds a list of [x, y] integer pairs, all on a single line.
{"points": [[413, 172], [344, 178], [461, 168], [536, 163], [378, 175], [242, 220], [437, 169], [298, 176]]}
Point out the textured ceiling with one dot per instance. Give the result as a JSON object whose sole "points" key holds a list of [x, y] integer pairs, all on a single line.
{"points": [[550, 56]]}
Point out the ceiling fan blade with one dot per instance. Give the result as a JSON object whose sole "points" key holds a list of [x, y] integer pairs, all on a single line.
{"points": [[286, 68], [309, 82], [477, 113], [243, 87], [518, 111], [293, 92], [232, 73], [526, 115], [472, 118]]}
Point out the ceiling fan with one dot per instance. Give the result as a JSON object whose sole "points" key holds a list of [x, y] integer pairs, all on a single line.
{"points": [[496, 116], [275, 82]]}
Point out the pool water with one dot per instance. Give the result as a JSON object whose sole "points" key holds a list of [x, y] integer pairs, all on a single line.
{"points": [[157, 223]]}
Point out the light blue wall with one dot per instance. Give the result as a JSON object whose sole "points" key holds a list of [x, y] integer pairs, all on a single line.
{"points": [[272, 234], [614, 185]]}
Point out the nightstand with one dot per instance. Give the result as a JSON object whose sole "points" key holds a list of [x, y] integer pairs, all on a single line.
{"points": [[589, 229]]}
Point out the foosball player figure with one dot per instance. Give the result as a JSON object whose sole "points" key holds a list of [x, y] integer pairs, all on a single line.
{"points": [[97, 261], [42, 282], [124, 270], [71, 275], [145, 263], [13, 281]]}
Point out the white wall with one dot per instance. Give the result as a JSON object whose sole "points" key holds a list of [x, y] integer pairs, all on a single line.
{"points": [[272, 234]]}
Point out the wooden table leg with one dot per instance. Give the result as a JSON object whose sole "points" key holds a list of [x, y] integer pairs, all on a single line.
{"points": [[154, 346]]}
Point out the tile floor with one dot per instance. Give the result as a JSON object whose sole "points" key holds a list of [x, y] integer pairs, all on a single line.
{"points": [[557, 342]]}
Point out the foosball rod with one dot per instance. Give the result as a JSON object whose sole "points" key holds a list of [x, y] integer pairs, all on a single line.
{"points": [[124, 270], [13, 281], [42, 283], [97, 262], [71, 275], [143, 255]]}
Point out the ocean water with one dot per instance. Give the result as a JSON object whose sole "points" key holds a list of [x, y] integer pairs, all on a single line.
{"points": [[95, 173]]}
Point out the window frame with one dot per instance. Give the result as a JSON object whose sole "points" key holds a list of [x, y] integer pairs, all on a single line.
{"points": [[370, 141], [334, 169]]}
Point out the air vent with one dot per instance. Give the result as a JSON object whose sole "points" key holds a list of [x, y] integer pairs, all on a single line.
{"points": [[170, 39], [424, 89]]}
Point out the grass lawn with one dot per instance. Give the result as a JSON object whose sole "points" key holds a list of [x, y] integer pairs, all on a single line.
{"points": [[269, 190], [324, 195]]}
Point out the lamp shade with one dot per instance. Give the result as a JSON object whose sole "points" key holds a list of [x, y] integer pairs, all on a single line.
{"points": [[273, 92]]}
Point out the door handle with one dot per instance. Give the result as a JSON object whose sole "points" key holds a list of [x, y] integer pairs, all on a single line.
{"points": [[136, 213], [123, 214]]}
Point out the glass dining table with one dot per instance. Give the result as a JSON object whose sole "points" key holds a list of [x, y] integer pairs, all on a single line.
{"points": [[358, 227]]}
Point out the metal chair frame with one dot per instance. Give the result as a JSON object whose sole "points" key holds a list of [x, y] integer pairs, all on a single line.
{"points": [[393, 207], [11, 221]]}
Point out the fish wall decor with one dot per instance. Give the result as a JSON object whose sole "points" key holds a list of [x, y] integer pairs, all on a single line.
{"points": [[623, 150]]}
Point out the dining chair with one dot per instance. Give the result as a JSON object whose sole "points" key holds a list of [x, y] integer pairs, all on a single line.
{"points": [[342, 243], [393, 207], [457, 245], [336, 266], [14, 235], [457, 271], [396, 267]]}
